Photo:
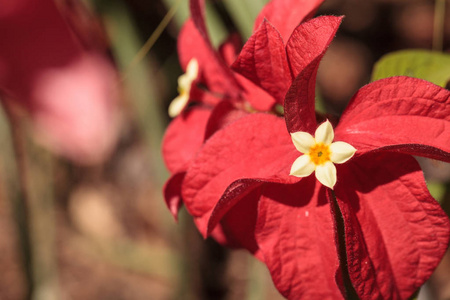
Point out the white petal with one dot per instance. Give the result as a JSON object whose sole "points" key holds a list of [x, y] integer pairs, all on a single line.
{"points": [[302, 166], [177, 105], [326, 174], [341, 152], [324, 133], [184, 82], [192, 69], [303, 141]]}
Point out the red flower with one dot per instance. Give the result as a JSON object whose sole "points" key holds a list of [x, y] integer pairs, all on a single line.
{"points": [[221, 95], [395, 232], [65, 88]]}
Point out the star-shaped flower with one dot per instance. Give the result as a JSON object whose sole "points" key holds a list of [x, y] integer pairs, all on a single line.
{"points": [[320, 154], [184, 88]]}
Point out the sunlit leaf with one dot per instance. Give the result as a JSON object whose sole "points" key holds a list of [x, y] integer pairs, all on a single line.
{"points": [[428, 65]]}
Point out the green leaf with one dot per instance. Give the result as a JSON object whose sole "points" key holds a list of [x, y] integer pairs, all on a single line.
{"points": [[243, 13], [428, 65]]}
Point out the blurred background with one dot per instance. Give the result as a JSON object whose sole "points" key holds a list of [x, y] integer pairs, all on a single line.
{"points": [[102, 230]]}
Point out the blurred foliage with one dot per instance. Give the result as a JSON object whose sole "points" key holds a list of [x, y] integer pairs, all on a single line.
{"points": [[243, 13], [429, 65]]}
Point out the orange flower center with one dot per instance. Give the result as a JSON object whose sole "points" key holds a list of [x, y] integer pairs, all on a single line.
{"points": [[319, 154], [181, 90]]}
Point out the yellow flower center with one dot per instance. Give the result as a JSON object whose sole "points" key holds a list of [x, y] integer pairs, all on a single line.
{"points": [[319, 154], [182, 91]]}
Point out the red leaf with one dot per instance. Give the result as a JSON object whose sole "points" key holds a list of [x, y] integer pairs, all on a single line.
{"points": [[294, 232], [233, 194], [253, 94], [230, 49], [172, 193], [310, 40], [399, 114], [223, 114], [239, 223], [184, 137], [217, 74], [299, 104], [259, 99], [255, 146], [396, 233], [197, 9], [263, 61], [285, 15], [213, 71]]}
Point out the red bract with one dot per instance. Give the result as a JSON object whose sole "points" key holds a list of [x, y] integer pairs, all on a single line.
{"points": [[267, 62], [65, 88], [395, 232], [221, 95]]}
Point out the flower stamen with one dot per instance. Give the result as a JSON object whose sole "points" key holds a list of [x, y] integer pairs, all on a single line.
{"points": [[319, 154]]}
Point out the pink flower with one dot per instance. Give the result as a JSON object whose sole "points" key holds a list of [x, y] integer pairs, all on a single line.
{"points": [[69, 92]]}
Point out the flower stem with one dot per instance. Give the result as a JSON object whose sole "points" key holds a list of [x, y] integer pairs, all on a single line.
{"points": [[439, 20], [153, 37], [33, 205], [350, 293], [17, 195]]}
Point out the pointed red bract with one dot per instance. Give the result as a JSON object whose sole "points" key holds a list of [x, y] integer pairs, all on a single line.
{"points": [[197, 9], [317, 33], [299, 104], [269, 64], [263, 61], [376, 118], [172, 193], [295, 233], [239, 224], [220, 162], [230, 198], [396, 233], [259, 99], [183, 138], [229, 50], [300, 99], [214, 73], [223, 114], [287, 14]]}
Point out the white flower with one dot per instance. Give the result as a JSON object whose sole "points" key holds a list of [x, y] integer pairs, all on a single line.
{"points": [[320, 154], [184, 88]]}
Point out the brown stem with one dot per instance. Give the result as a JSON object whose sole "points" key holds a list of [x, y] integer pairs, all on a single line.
{"points": [[33, 205], [18, 196], [439, 20]]}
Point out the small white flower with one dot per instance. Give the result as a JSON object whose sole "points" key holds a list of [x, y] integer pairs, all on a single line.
{"points": [[184, 88], [320, 154]]}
